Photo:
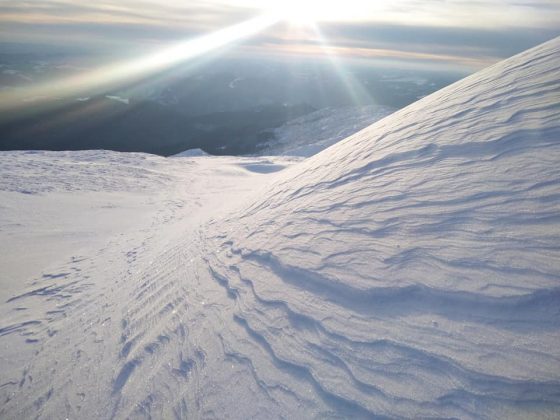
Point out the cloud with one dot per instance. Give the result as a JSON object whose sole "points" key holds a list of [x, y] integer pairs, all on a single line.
{"points": [[471, 33], [197, 14], [98, 26], [498, 43]]}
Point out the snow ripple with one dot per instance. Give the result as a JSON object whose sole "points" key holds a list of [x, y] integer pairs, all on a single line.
{"points": [[412, 269]]}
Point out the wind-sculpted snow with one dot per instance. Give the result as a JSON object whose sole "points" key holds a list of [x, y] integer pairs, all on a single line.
{"points": [[413, 270], [35, 172], [410, 271]]}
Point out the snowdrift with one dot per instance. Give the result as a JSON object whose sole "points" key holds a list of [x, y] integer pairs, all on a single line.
{"points": [[413, 269]]}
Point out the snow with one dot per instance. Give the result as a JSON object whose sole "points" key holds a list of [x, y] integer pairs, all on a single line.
{"points": [[234, 82], [311, 133], [411, 270], [118, 99], [191, 153]]}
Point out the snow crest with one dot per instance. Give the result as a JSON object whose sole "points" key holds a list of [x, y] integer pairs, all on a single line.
{"points": [[412, 270]]}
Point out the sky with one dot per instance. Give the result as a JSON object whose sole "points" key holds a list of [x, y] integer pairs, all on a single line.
{"points": [[467, 34]]}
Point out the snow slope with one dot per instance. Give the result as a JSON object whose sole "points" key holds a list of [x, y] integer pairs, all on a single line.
{"points": [[414, 269], [308, 135], [83, 236], [411, 270]]}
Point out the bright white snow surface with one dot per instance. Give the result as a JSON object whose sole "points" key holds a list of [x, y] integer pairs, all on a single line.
{"points": [[412, 270]]}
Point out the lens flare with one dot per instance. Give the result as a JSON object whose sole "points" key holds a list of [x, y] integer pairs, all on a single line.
{"points": [[125, 72], [296, 12]]}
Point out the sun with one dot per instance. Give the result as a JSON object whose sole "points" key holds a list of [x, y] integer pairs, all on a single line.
{"points": [[298, 12], [311, 12]]}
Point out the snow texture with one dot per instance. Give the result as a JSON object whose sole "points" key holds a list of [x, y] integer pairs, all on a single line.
{"points": [[312, 133], [191, 153], [409, 271]]}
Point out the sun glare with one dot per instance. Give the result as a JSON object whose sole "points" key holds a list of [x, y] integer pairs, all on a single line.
{"points": [[127, 71], [300, 13], [310, 12]]}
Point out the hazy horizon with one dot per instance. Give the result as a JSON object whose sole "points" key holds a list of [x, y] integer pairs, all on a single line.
{"points": [[164, 76], [462, 35]]}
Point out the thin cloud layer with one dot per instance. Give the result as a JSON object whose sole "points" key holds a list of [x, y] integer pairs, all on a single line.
{"points": [[457, 32]]}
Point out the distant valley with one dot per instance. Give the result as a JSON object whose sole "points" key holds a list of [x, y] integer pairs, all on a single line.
{"points": [[229, 107]]}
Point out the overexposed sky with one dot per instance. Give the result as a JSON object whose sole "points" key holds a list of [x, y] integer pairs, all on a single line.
{"points": [[471, 33]]}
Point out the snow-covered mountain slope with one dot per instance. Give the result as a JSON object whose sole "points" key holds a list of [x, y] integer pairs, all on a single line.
{"points": [[81, 234], [312, 133], [411, 270]]}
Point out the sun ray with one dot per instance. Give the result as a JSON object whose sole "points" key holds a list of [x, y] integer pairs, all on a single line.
{"points": [[357, 93], [127, 71]]}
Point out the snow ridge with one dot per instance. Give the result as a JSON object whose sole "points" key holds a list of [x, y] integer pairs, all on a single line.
{"points": [[412, 269]]}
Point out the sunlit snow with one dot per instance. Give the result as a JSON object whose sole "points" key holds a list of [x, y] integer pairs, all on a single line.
{"points": [[411, 270]]}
